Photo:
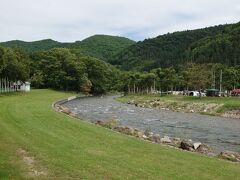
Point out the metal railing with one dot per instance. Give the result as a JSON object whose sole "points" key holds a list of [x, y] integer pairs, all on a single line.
{"points": [[7, 86]]}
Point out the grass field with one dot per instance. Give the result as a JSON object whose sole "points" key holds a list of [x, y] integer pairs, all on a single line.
{"points": [[37, 142]]}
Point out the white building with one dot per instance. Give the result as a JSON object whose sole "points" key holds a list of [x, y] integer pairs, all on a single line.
{"points": [[25, 87]]}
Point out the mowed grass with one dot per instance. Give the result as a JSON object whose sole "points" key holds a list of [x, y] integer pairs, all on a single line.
{"points": [[229, 103], [67, 148]]}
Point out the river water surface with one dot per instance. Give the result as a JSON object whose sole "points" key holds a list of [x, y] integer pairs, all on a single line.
{"points": [[220, 133]]}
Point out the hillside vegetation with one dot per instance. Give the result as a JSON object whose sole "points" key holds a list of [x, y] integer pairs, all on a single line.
{"points": [[99, 46], [97, 64], [102, 46], [37, 142], [31, 46], [218, 44]]}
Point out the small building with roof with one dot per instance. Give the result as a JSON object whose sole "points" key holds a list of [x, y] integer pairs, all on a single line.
{"points": [[25, 87]]}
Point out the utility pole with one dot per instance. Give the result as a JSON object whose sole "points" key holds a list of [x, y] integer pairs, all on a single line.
{"points": [[154, 85], [5, 85], [220, 81], [214, 80]]}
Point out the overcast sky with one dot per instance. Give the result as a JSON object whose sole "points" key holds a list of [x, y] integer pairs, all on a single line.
{"points": [[71, 20]]}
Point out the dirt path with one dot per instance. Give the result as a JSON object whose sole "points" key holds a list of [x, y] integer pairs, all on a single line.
{"points": [[30, 162]]}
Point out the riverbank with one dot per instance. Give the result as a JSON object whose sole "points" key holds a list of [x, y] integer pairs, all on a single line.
{"points": [[71, 108], [37, 142], [216, 106]]}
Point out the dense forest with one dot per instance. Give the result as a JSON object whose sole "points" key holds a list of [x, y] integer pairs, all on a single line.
{"points": [[65, 69], [189, 60], [14, 64], [219, 44], [59, 68]]}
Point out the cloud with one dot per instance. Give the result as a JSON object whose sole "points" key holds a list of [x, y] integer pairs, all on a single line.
{"points": [[70, 20]]}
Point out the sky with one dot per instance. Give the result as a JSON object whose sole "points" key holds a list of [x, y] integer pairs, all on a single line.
{"points": [[72, 20]]}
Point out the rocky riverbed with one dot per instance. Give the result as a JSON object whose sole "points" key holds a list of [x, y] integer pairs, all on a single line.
{"points": [[187, 107]]}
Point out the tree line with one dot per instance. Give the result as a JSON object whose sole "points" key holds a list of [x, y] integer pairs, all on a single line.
{"points": [[185, 78], [71, 70]]}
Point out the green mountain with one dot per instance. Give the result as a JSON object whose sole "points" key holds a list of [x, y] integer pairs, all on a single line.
{"points": [[218, 44], [99, 46], [31, 46], [102, 46]]}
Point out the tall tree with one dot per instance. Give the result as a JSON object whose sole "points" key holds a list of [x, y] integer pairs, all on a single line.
{"points": [[199, 76]]}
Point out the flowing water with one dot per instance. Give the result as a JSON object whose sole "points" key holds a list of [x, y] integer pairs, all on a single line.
{"points": [[220, 133]]}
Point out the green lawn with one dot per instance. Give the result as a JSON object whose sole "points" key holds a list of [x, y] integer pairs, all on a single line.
{"points": [[64, 147]]}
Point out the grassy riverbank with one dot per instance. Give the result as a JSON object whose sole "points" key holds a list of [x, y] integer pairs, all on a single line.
{"points": [[205, 105], [37, 142]]}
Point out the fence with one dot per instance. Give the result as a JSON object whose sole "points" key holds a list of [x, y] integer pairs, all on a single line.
{"points": [[7, 86]]}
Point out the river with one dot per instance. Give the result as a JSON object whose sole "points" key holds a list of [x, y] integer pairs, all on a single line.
{"points": [[220, 133]]}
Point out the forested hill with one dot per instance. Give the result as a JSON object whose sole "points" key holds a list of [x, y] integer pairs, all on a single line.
{"points": [[99, 46], [102, 46], [218, 44], [31, 46]]}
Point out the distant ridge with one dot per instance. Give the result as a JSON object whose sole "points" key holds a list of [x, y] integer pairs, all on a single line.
{"points": [[31, 46], [218, 44], [99, 46], [102, 46]]}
